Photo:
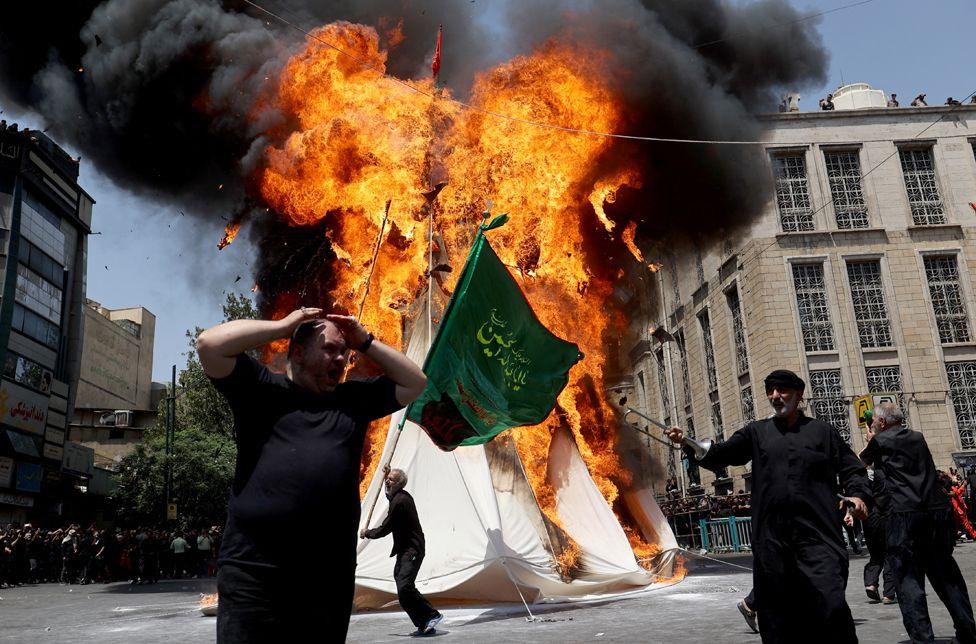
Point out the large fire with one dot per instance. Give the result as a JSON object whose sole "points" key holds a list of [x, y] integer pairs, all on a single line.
{"points": [[361, 138]]}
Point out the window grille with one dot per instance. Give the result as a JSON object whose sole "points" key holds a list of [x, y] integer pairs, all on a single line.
{"points": [[828, 402], [706, 329], [883, 380], [962, 392], [870, 311], [685, 380], [675, 289], [942, 274], [748, 404], [923, 192], [844, 177], [792, 193], [699, 267], [738, 332], [717, 423], [662, 383], [694, 474], [811, 303]]}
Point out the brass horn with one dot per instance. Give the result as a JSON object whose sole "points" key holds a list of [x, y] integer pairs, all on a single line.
{"points": [[699, 448]]}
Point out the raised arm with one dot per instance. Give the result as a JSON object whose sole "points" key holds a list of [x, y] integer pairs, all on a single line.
{"points": [[737, 450], [409, 378], [219, 346]]}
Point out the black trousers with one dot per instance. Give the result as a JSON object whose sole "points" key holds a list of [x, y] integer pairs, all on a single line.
{"points": [[258, 605], [920, 545], [405, 574], [875, 536], [800, 584]]}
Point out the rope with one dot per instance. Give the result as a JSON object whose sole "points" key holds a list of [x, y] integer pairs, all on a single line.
{"points": [[515, 119]]}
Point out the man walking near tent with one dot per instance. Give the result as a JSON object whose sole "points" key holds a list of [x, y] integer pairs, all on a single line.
{"points": [[288, 555], [920, 531], [800, 572], [408, 548]]}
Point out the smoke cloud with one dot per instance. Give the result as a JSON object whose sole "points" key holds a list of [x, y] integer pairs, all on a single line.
{"points": [[168, 97]]}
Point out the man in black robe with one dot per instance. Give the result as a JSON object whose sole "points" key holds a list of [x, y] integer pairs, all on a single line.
{"points": [[920, 531], [408, 548], [800, 561]]}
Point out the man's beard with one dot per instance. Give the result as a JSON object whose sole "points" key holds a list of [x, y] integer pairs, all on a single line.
{"points": [[786, 409]]}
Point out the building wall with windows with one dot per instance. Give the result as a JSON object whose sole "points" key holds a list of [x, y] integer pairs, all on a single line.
{"points": [[45, 218], [858, 276]]}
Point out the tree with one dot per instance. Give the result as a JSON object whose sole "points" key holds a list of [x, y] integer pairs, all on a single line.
{"points": [[203, 451]]}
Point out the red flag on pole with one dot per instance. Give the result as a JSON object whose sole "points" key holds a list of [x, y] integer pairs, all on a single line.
{"points": [[435, 66]]}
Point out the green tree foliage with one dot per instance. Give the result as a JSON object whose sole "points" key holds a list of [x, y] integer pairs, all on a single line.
{"points": [[203, 448]]}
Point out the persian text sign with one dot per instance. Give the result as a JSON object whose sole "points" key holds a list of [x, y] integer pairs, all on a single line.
{"points": [[17, 499], [79, 459], [22, 408]]}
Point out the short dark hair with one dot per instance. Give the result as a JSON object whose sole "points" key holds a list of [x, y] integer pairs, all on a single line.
{"points": [[303, 333]]}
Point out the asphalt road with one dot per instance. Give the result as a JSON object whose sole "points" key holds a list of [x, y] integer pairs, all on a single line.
{"points": [[699, 609]]}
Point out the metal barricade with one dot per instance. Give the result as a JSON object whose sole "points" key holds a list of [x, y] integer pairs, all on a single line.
{"points": [[733, 534]]}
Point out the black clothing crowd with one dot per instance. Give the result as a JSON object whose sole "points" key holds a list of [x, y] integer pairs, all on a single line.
{"points": [[76, 555]]}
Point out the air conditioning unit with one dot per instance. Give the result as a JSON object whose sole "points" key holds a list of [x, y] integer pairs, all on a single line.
{"points": [[106, 419], [123, 418]]}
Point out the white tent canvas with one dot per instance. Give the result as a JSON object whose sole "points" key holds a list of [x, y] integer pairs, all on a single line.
{"points": [[486, 538]]}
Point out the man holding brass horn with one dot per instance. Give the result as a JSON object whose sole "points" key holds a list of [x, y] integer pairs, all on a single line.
{"points": [[800, 562]]}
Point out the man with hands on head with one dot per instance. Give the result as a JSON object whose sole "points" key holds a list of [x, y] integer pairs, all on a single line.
{"points": [[288, 555], [800, 561]]}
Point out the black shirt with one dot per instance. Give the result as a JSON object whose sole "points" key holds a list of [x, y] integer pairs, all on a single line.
{"points": [[295, 497], [403, 522], [904, 456], [879, 490], [795, 472]]}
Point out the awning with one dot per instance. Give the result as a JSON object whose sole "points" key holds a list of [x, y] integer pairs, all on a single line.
{"points": [[23, 444]]}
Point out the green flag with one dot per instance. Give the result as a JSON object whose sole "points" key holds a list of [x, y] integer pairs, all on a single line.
{"points": [[493, 365]]}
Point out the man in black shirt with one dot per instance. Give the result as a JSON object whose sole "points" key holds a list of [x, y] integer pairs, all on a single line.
{"points": [[875, 537], [288, 555], [920, 533], [800, 572], [408, 548]]}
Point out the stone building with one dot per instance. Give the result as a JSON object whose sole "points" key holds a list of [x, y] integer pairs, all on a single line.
{"points": [[45, 220], [858, 276], [116, 398]]}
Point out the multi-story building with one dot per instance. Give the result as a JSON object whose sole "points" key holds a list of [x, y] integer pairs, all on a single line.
{"points": [[45, 220], [858, 275], [116, 399]]}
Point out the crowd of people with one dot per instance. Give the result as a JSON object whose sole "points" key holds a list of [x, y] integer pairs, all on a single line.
{"points": [[76, 555]]}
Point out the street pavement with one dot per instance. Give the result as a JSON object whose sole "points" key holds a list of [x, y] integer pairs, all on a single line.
{"points": [[699, 609]]}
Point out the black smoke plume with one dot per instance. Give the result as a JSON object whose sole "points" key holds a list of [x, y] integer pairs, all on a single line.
{"points": [[165, 96]]}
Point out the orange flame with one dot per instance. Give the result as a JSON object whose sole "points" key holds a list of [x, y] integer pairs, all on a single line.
{"points": [[230, 232], [362, 138]]}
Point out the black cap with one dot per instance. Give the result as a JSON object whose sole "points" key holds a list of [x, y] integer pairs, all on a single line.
{"points": [[784, 378]]}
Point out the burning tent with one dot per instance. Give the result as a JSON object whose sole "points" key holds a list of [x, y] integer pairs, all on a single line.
{"points": [[487, 537]]}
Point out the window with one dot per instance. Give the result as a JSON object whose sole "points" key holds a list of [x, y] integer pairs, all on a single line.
{"points": [[685, 381], [738, 331], [792, 193], [717, 423], [870, 312], [706, 329], [132, 327], [942, 274], [41, 208], [844, 177], [962, 392], [748, 404], [923, 192], [884, 380], [828, 402], [37, 294], [27, 372], [691, 465], [811, 303], [699, 267], [34, 326], [675, 290], [662, 383], [39, 262]]}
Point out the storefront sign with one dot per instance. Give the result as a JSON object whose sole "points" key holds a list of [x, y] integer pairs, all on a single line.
{"points": [[79, 459], [53, 452], [6, 471], [23, 444], [22, 408], [17, 499], [54, 435], [28, 477]]}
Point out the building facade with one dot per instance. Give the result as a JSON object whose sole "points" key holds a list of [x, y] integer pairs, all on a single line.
{"points": [[858, 276], [45, 220], [116, 399]]}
